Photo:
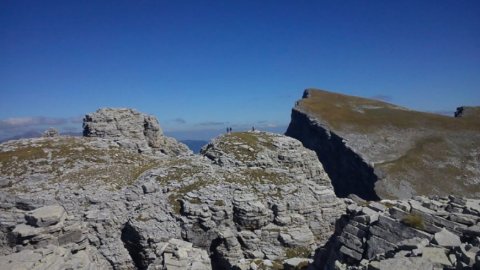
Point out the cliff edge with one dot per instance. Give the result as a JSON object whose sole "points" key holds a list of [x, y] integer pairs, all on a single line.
{"points": [[379, 150]]}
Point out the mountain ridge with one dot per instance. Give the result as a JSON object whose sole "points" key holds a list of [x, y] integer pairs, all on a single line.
{"points": [[394, 142]]}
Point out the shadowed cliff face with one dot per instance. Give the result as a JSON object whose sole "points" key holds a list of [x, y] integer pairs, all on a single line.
{"points": [[348, 172], [376, 149]]}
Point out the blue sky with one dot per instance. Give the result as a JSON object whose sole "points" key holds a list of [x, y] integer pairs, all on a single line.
{"points": [[202, 65]]}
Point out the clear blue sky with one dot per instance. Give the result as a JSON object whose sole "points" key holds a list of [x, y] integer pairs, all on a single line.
{"points": [[199, 64]]}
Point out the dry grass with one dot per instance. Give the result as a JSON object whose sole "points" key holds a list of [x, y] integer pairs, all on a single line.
{"points": [[70, 159], [414, 220], [441, 159], [179, 169], [245, 145], [367, 115], [298, 252]]}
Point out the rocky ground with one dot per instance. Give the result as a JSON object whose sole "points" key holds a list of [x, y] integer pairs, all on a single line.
{"points": [[123, 199], [251, 200], [419, 233]]}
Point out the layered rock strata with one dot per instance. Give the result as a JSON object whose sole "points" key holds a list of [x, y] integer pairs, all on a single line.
{"points": [[377, 150], [250, 200], [419, 233], [132, 130]]}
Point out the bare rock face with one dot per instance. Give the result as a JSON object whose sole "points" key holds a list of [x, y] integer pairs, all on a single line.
{"points": [[378, 150], [251, 200], [131, 129], [419, 233], [45, 216]]}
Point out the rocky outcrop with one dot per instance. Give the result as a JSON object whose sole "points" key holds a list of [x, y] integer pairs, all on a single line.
{"points": [[420, 233], [468, 112], [350, 173], [132, 130], [250, 200], [378, 150], [44, 238], [274, 202], [51, 132]]}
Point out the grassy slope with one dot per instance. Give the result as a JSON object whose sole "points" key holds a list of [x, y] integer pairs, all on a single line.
{"points": [[341, 111], [442, 158]]}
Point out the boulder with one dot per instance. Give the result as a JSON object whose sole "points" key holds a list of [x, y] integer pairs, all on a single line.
{"points": [[446, 238], [436, 256], [295, 237], [45, 216], [404, 263], [180, 255], [296, 263]]}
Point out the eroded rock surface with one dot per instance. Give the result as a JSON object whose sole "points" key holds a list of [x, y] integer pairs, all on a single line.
{"points": [[378, 150], [132, 130], [420, 233], [250, 200]]}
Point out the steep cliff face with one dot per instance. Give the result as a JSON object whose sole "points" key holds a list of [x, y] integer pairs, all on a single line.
{"points": [[350, 174], [380, 149]]}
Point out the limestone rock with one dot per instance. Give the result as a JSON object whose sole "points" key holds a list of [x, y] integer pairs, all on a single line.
{"points": [[250, 197], [250, 213], [445, 238], [132, 130], [404, 263], [45, 216], [377, 150], [180, 255], [421, 236], [436, 256], [55, 258], [296, 263]]}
